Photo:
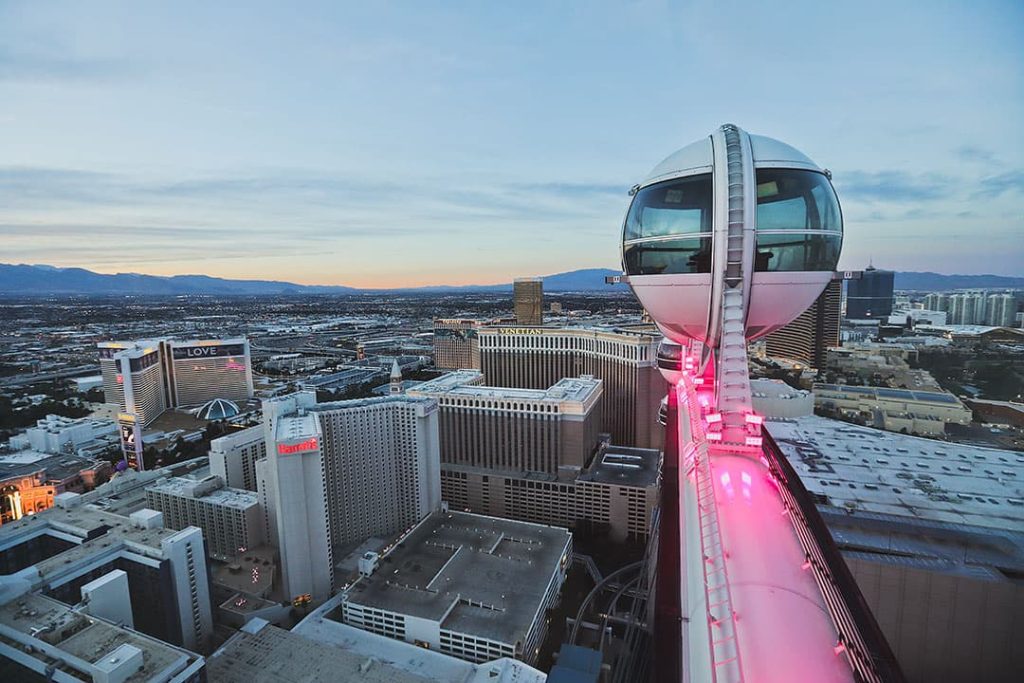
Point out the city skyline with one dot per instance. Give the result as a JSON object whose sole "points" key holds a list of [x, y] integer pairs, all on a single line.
{"points": [[394, 146]]}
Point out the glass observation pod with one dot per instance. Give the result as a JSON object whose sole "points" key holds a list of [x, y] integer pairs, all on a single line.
{"points": [[675, 236], [670, 361]]}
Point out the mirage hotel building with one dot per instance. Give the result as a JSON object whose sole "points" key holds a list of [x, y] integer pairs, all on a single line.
{"points": [[150, 376]]}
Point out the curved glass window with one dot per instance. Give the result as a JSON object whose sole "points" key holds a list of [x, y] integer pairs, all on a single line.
{"points": [[675, 207], [667, 257], [799, 224], [797, 251], [668, 228]]}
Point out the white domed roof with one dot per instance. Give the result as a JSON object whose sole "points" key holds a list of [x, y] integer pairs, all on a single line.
{"points": [[698, 157], [217, 409]]}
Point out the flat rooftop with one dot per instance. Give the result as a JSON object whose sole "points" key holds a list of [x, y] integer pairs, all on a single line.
{"points": [[188, 487], [351, 376], [294, 427], [578, 389], [101, 532], [363, 403], [625, 467], [473, 574], [429, 664], [893, 394], [274, 655], [57, 467], [85, 638], [251, 572], [640, 332], [869, 470], [450, 380]]}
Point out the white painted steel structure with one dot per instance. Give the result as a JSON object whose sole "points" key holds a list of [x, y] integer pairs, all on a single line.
{"points": [[726, 240]]}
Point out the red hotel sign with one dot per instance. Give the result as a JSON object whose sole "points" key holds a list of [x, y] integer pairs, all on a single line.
{"points": [[309, 444]]}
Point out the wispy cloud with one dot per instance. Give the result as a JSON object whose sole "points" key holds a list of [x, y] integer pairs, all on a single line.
{"points": [[894, 186], [971, 153], [998, 185], [49, 65]]}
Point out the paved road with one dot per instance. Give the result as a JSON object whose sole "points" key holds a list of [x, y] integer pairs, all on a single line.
{"points": [[30, 378]]}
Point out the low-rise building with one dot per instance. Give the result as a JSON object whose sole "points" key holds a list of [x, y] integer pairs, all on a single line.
{"points": [[473, 587], [932, 533], [30, 481], [775, 398], [45, 639], [60, 550], [320, 649], [59, 434], [902, 408]]}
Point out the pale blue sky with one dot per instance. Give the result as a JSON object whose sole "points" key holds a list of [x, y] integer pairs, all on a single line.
{"points": [[400, 143]]}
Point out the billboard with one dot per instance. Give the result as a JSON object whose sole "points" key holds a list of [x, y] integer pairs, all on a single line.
{"points": [[131, 440], [208, 351]]}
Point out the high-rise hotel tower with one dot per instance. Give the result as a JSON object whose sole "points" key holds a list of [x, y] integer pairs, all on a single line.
{"points": [[808, 338], [625, 359], [147, 377], [528, 299], [341, 472], [133, 378], [553, 431], [457, 344]]}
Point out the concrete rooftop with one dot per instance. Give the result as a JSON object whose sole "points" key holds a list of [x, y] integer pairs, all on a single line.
{"points": [[869, 470], [501, 566]]}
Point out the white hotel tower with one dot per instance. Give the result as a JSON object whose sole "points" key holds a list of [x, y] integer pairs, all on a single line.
{"points": [[342, 472]]}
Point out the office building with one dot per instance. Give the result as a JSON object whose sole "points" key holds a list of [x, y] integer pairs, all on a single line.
{"points": [[895, 410], [807, 339], [871, 296], [62, 549], [456, 344], [617, 493], [528, 300], [447, 596], [30, 481], [553, 431], [932, 533], [147, 377], [624, 359], [233, 457], [338, 473], [43, 639], [57, 434], [231, 519], [908, 317]]}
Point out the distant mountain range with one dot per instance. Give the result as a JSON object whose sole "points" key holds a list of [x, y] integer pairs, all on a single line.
{"points": [[41, 280], [936, 282]]}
